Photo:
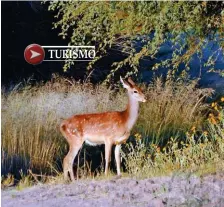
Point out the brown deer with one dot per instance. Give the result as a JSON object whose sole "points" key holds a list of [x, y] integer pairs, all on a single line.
{"points": [[109, 128]]}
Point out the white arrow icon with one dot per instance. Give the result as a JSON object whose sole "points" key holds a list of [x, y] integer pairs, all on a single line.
{"points": [[34, 54]]}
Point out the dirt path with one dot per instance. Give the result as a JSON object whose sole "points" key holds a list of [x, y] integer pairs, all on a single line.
{"points": [[155, 192]]}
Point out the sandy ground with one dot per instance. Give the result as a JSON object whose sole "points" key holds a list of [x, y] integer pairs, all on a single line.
{"points": [[154, 192]]}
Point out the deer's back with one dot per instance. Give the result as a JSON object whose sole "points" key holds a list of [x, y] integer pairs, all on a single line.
{"points": [[97, 125]]}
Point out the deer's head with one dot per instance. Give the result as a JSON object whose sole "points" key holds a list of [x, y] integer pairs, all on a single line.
{"points": [[133, 90]]}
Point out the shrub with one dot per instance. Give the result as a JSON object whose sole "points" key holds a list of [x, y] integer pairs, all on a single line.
{"points": [[203, 151]]}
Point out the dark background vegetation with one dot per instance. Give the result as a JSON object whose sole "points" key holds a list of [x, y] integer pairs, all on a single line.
{"points": [[24, 23]]}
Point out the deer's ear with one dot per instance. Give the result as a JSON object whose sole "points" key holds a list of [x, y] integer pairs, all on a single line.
{"points": [[124, 83], [131, 81]]}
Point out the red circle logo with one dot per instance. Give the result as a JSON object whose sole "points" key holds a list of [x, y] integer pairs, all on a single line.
{"points": [[34, 54]]}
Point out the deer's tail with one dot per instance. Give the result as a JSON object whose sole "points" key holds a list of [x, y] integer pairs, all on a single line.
{"points": [[63, 129]]}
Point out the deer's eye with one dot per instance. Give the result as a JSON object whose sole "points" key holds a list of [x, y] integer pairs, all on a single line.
{"points": [[135, 91]]}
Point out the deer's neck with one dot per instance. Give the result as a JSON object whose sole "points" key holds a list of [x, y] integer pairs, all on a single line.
{"points": [[131, 112]]}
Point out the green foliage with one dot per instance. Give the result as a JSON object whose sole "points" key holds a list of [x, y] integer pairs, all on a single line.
{"points": [[186, 25], [7, 181], [25, 181]]}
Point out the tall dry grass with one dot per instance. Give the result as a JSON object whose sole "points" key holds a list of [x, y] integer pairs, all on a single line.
{"points": [[31, 115], [172, 108]]}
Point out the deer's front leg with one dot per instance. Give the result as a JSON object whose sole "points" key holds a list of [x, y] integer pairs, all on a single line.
{"points": [[108, 147], [118, 159], [117, 151]]}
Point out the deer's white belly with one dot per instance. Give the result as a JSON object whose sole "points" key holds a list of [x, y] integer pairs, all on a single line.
{"points": [[93, 143]]}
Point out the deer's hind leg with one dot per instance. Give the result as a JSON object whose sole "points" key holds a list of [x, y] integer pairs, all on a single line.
{"points": [[74, 148], [108, 148]]}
